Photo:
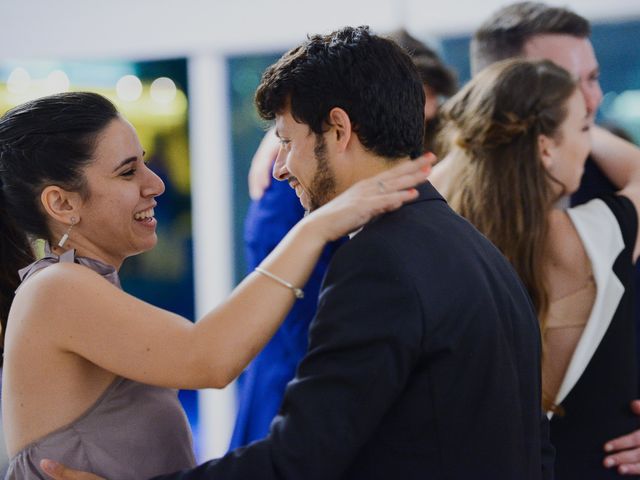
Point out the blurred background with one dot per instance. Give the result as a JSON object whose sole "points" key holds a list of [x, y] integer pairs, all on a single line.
{"points": [[184, 74]]}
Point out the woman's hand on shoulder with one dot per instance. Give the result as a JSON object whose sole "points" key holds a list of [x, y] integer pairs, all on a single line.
{"points": [[373, 196]]}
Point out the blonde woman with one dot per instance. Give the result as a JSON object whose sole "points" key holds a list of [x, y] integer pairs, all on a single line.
{"points": [[518, 136]]}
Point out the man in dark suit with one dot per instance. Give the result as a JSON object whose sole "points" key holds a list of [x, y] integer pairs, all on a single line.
{"points": [[424, 355]]}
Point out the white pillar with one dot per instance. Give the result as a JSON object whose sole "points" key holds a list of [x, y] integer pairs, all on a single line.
{"points": [[209, 139]]}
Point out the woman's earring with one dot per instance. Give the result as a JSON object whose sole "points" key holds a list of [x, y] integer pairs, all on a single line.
{"points": [[65, 237]]}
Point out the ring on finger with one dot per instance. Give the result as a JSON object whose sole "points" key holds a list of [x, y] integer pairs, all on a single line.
{"points": [[381, 187]]}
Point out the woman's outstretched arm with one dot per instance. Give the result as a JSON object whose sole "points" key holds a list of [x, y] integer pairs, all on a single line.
{"points": [[78, 312]]}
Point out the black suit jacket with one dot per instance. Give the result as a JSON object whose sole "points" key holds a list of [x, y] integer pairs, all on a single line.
{"points": [[423, 362]]}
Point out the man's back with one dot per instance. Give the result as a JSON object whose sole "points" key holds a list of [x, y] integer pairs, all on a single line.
{"points": [[423, 362], [453, 344]]}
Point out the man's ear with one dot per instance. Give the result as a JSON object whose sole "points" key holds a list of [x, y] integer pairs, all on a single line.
{"points": [[340, 128], [61, 204], [547, 149]]}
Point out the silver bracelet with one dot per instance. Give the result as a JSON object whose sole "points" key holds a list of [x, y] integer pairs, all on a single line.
{"points": [[296, 291]]}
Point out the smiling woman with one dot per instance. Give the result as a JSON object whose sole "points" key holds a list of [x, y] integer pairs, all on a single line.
{"points": [[116, 220], [89, 370]]}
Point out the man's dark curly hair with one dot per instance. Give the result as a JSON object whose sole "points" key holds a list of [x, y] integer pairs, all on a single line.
{"points": [[369, 77]]}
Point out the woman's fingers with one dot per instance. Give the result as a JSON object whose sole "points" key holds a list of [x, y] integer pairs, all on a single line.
{"points": [[368, 198], [403, 176], [420, 164], [389, 201]]}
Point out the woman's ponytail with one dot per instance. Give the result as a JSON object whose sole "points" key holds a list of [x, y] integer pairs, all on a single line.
{"points": [[15, 253]]}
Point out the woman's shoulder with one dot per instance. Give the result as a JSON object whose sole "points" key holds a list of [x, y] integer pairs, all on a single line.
{"points": [[565, 244], [57, 277], [54, 290], [606, 224]]}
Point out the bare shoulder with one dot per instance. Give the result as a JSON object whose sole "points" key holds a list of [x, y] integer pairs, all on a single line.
{"points": [[55, 281], [567, 264], [559, 220], [564, 241], [57, 289]]}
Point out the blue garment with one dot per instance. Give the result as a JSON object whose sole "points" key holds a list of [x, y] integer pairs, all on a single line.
{"points": [[261, 386]]}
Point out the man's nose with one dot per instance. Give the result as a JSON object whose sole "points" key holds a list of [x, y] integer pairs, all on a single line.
{"points": [[280, 171], [592, 97]]}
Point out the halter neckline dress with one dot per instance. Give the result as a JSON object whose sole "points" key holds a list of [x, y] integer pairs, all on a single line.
{"points": [[132, 430]]}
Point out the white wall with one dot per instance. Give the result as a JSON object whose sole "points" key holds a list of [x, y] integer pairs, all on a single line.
{"points": [[83, 29]]}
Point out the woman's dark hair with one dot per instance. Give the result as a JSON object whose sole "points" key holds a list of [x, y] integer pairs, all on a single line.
{"points": [[47, 141]]}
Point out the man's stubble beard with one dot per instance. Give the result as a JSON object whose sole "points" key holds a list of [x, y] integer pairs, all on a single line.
{"points": [[323, 185]]}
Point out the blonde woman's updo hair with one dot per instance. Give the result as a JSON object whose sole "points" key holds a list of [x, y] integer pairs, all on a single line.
{"points": [[508, 103], [491, 133]]}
